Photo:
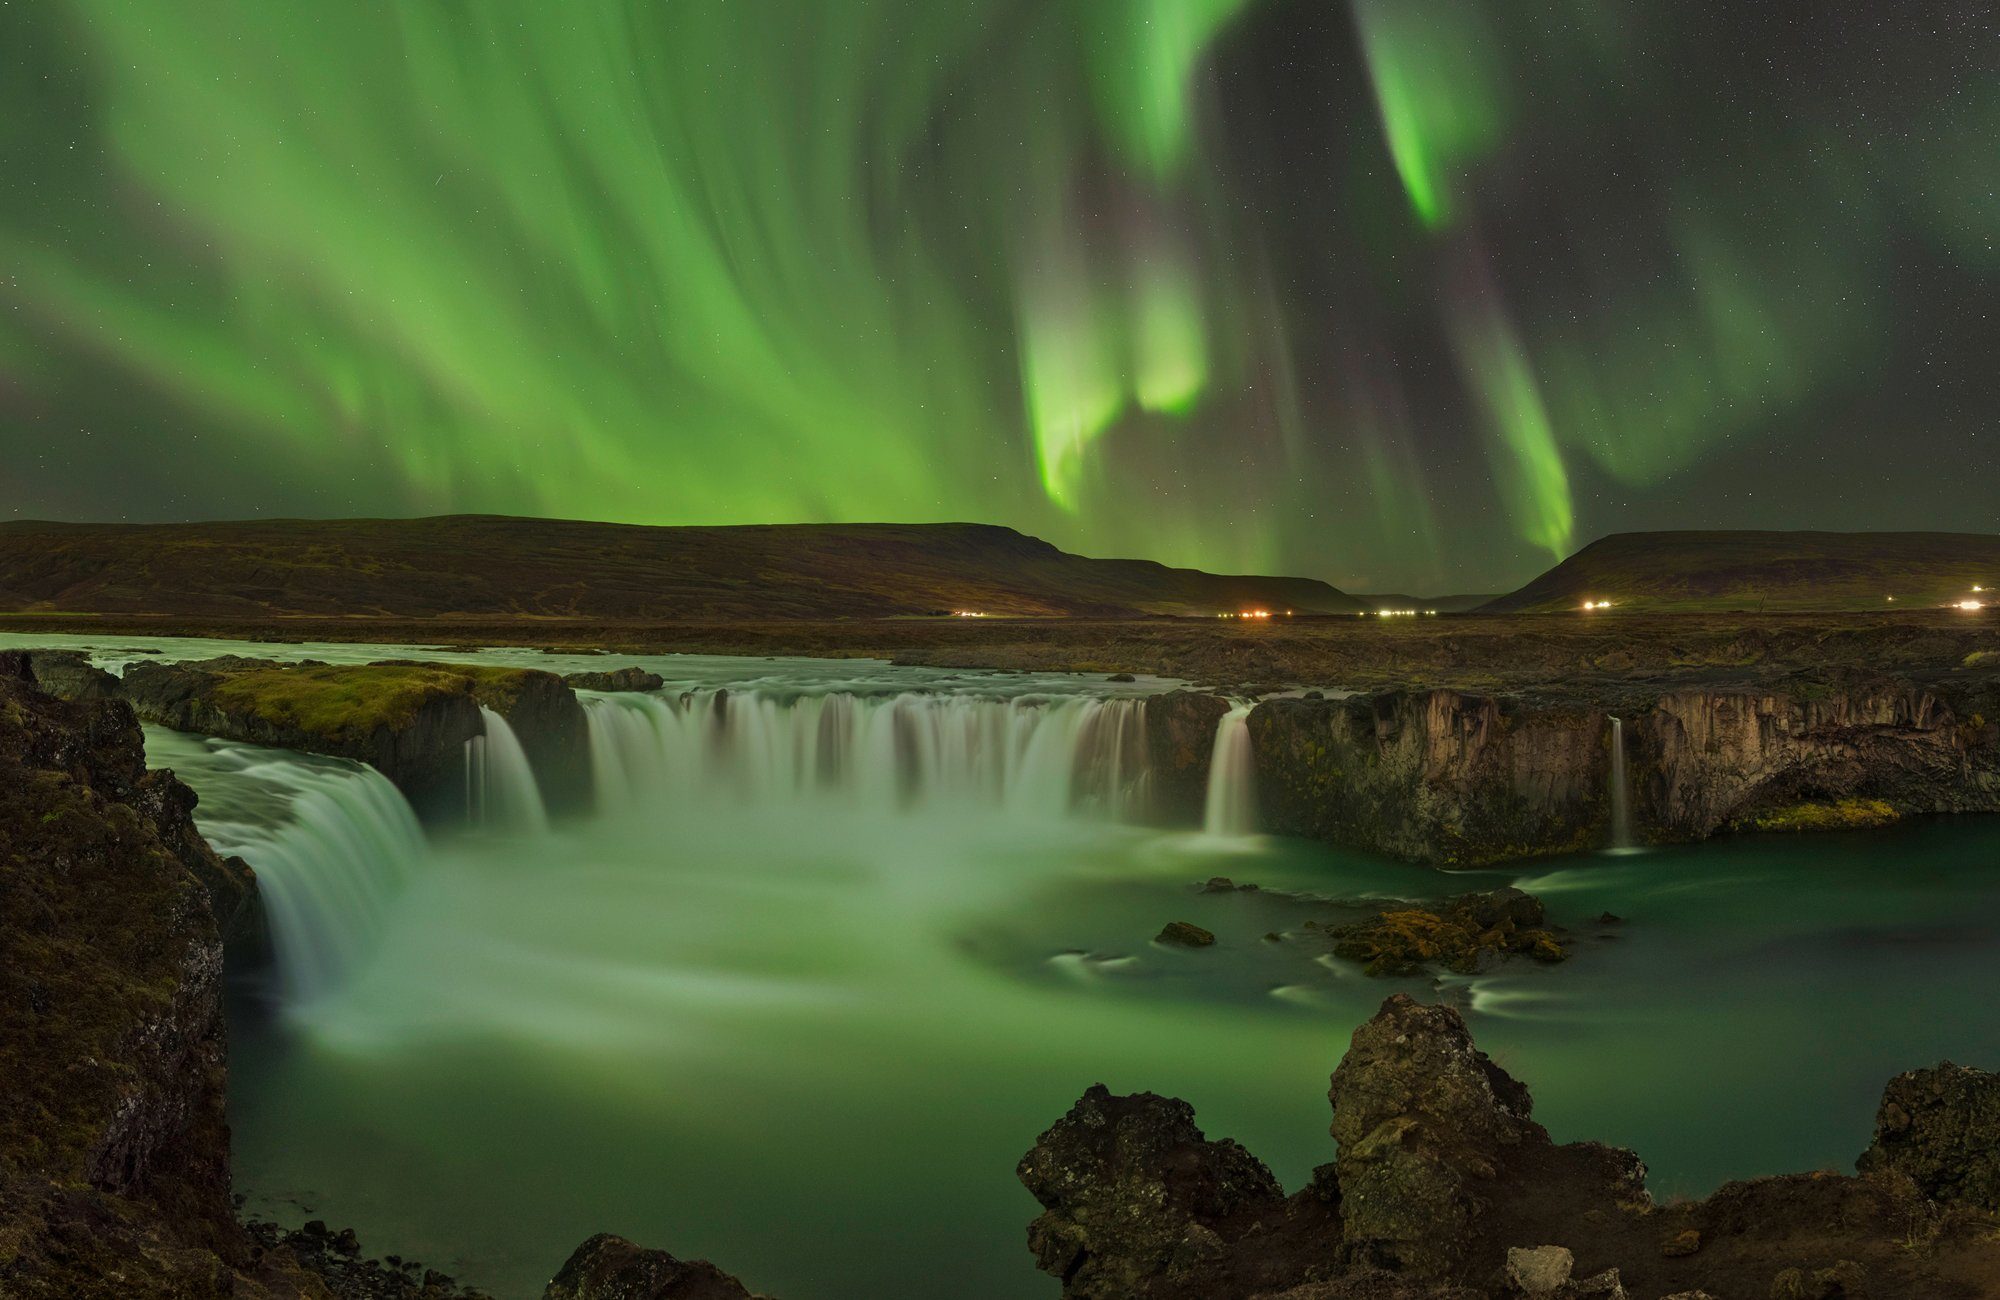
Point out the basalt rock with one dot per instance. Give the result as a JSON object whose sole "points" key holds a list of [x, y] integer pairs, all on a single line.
{"points": [[1433, 776], [1180, 741], [409, 720], [114, 1157], [1462, 934], [1940, 1128], [1141, 1205], [1444, 1186], [617, 679], [69, 675], [612, 1268], [1449, 777]]}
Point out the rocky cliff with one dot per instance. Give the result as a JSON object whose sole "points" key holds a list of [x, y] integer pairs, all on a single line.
{"points": [[114, 1168], [1442, 1187], [1464, 779], [409, 720], [114, 1147]]}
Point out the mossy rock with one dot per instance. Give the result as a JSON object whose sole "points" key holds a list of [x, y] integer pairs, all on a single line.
{"points": [[1838, 815]]}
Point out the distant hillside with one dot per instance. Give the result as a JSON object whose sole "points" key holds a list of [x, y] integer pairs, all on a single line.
{"points": [[486, 565], [1771, 571], [1436, 604]]}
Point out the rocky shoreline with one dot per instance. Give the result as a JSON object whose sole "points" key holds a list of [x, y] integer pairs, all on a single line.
{"points": [[1442, 1187]]}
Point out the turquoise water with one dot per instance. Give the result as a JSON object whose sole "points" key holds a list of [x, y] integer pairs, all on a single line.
{"points": [[809, 1038]]}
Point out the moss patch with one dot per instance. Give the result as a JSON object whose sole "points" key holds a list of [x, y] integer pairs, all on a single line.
{"points": [[350, 701], [1839, 815]]}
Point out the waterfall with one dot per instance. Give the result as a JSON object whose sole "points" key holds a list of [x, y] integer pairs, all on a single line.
{"points": [[1621, 813], [1031, 755], [500, 789], [333, 849], [1232, 787]]}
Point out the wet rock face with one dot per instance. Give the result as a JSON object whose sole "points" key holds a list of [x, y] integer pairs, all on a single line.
{"points": [[612, 1268], [617, 679], [1441, 776], [415, 738], [1941, 1128], [1707, 758], [1434, 776], [1422, 1118], [1135, 1197], [1180, 741], [111, 1054], [69, 675], [553, 730]]}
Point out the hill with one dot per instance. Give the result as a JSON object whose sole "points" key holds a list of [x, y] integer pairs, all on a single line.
{"points": [[470, 565], [1767, 571]]}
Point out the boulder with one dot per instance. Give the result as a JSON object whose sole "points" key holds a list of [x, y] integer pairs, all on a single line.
{"points": [[1135, 1196], [630, 678], [1420, 1116], [1184, 934], [611, 1268], [1462, 934], [1940, 1127], [1540, 1270]]}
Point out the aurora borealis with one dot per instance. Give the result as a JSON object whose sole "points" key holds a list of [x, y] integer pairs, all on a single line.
{"points": [[1411, 294]]}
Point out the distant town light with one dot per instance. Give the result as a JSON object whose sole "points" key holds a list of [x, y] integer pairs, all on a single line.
{"points": [[1970, 604], [1597, 604], [969, 613]]}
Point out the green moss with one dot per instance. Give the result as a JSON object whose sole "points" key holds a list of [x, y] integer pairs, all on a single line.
{"points": [[354, 700], [1839, 815]]}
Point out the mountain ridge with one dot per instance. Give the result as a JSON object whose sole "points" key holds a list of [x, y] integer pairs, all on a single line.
{"points": [[457, 565]]}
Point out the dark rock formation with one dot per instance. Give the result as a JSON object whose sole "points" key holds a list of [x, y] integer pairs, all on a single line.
{"points": [[407, 719], [114, 1157], [612, 1268], [1180, 741], [1444, 1186], [617, 679], [1434, 776], [1941, 1129], [408, 722], [69, 675], [1443, 776], [1462, 934], [1185, 934], [1139, 1203]]}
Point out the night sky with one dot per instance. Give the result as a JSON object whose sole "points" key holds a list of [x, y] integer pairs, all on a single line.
{"points": [[1416, 294]]}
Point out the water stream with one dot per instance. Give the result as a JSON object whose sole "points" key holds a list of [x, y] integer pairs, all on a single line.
{"points": [[1231, 807], [1621, 810]]}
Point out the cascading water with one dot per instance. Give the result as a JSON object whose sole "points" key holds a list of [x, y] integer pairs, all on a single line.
{"points": [[1621, 813], [500, 789], [332, 843], [1032, 755], [1232, 789]]}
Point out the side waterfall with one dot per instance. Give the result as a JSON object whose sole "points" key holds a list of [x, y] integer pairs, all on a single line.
{"points": [[1029, 755], [500, 789], [1232, 785], [340, 846], [1621, 812]]}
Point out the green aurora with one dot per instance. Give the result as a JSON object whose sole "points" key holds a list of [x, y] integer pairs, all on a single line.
{"points": [[1398, 293]]}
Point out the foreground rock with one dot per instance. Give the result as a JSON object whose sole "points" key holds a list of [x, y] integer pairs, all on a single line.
{"points": [[1463, 934], [612, 1268], [1940, 1128], [1443, 1185]]}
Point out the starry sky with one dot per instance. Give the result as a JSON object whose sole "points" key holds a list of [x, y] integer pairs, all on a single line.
{"points": [[1402, 294]]}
